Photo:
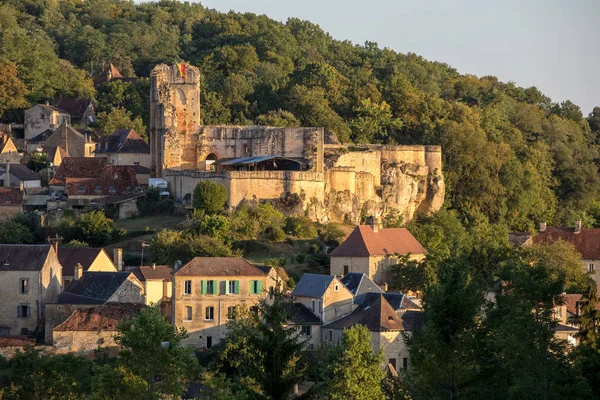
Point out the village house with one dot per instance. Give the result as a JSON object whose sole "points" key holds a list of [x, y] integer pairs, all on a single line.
{"points": [[42, 117], [81, 110], [307, 322], [8, 150], [371, 250], [207, 292], [11, 202], [89, 259], [359, 284], [111, 73], [31, 277], [21, 177], [92, 289], [387, 326], [92, 328], [585, 240], [157, 282], [124, 147], [123, 205], [324, 295]]}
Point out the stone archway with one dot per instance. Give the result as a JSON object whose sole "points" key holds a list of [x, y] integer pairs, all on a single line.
{"points": [[209, 162]]}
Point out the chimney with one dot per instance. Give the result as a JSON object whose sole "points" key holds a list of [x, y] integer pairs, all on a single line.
{"points": [[7, 175], [578, 226], [372, 222], [47, 103], [78, 271], [118, 259], [177, 265], [54, 245], [385, 287], [542, 226], [153, 265]]}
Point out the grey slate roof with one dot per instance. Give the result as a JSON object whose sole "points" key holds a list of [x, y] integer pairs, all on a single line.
{"points": [[93, 288], [312, 285], [21, 171], [360, 284], [23, 257], [298, 314]]}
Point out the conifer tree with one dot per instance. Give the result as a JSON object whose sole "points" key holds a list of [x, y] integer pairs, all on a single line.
{"points": [[590, 317]]}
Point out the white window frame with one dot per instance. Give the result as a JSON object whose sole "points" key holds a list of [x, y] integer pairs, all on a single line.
{"points": [[187, 287], [212, 313]]}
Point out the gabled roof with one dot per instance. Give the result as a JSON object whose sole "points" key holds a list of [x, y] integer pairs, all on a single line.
{"points": [[101, 318], [120, 198], [364, 242], [75, 107], [69, 139], [572, 303], [69, 257], [587, 241], [359, 284], [24, 257], [219, 266], [92, 167], [41, 138], [21, 172], [160, 272], [48, 107], [10, 196], [398, 301], [312, 285], [298, 314], [379, 316], [279, 271], [123, 141], [94, 186], [93, 287]]}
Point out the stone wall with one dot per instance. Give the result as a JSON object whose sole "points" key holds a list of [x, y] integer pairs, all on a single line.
{"points": [[8, 212], [83, 341], [56, 314]]}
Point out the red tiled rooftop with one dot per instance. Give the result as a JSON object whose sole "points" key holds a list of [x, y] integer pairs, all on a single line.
{"points": [[16, 341], [99, 318], [364, 242], [587, 241], [10, 196]]}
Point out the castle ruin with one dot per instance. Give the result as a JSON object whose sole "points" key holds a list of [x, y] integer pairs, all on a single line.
{"points": [[294, 168]]}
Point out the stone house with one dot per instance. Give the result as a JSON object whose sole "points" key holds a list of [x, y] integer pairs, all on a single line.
{"points": [[585, 240], [91, 328], [92, 289], [42, 117], [308, 323], [8, 150], [31, 277], [371, 250], [89, 259], [123, 205], [124, 147], [387, 325], [11, 202], [81, 110], [324, 295], [10, 345], [276, 277], [21, 177], [207, 292], [157, 282]]}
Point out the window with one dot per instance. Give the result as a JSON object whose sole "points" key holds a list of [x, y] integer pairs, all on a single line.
{"points": [[591, 267], [346, 269], [24, 286], [233, 287], [81, 189], [187, 287], [208, 342], [405, 363], [23, 311], [188, 313], [231, 312], [330, 336], [393, 362], [255, 287], [336, 287], [210, 313], [209, 287], [306, 330], [136, 163], [112, 189], [313, 306], [254, 310]]}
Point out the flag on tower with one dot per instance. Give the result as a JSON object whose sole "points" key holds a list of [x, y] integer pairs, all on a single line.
{"points": [[181, 68]]}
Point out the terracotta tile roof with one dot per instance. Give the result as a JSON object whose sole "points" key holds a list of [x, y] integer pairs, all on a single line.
{"points": [[24, 257], [69, 257], [219, 266], [123, 141], [75, 107], [571, 302], [161, 272], [10, 196], [91, 167], [16, 341], [587, 241], [101, 318], [94, 186], [364, 242], [93, 288], [379, 316]]}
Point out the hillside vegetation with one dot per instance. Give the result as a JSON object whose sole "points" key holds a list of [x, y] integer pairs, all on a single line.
{"points": [[512, 156]]}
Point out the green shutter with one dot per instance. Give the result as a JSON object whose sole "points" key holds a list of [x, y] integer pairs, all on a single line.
{"points": [[203, 284], [259, 287], [237, 287], [226, 287]]}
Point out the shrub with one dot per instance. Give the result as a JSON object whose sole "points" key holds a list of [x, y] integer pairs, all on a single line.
{"points": [[209, 197], [95, 228], [301, 227]]}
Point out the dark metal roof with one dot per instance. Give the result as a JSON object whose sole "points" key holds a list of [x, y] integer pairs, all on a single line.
{"points": [[21, 172], [312, 285], [379, 316]]}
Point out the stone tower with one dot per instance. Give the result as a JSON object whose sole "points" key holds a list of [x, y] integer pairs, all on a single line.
{"points": [[174, 116]]}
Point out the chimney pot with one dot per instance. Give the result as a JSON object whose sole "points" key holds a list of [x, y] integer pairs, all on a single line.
{"points": [[118, 259], [578, 226], [153, 265], [78, 271], [543, 226]]}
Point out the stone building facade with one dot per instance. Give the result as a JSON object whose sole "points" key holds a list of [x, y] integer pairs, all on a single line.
{"points": [[292, 167]]}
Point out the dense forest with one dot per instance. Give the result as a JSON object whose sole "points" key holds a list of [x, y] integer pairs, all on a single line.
{"points": [[512, 156]]}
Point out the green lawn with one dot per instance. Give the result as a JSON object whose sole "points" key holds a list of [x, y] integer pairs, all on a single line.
{"points": [[155, 223]]}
